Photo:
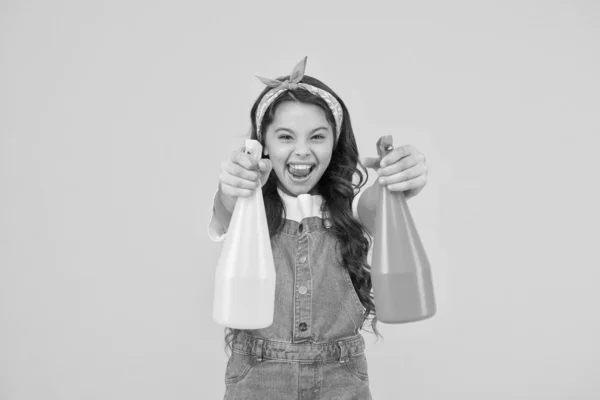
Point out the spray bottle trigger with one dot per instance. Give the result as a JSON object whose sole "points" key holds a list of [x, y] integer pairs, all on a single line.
{"points": [[384, 145]]}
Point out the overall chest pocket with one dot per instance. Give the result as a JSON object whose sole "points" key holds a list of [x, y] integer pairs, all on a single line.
{"points": [[238, 366]]}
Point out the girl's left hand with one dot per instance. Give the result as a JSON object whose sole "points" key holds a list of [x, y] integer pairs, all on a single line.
{"points": [[403, 169]]}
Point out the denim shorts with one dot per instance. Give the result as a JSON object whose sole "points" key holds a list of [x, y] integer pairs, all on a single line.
{"points": [[266, 369]]}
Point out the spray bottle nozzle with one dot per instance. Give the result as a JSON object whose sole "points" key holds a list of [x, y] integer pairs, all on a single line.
{"points": [[384, 145]]}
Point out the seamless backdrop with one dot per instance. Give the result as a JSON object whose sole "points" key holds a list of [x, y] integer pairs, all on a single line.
{"points": [[115, 116]]}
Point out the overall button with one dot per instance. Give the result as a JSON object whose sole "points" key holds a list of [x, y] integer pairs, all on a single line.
{"points": [[302, 290], [300, 228], [302, 326], [302, 259]]}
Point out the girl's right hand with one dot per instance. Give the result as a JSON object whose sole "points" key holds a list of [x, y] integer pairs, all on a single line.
{"points": [[240, 176]]}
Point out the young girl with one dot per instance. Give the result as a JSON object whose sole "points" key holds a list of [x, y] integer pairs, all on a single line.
{"points": [[320, 236]]}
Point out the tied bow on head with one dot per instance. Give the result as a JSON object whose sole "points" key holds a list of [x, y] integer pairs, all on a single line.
{"points": [[294, 82], [291, 83]]}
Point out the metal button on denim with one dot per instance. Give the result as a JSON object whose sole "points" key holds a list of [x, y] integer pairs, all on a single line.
{"points": [[302, 259], [302, 326], [302, 290]]}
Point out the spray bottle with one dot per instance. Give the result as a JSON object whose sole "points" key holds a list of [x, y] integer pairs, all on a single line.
{"points": [[400, 270], [244, 296]]}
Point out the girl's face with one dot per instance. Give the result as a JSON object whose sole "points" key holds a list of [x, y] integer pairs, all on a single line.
{"points": [[299, 142]]}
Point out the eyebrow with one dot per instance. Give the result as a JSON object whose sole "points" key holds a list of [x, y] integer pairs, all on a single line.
{"points": [[291, 131]]}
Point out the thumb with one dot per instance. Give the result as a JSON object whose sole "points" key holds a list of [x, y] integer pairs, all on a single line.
{"points": [[370, 162], [265, 166]]}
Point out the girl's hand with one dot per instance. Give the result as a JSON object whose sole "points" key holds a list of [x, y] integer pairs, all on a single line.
{"points": [[402, 169], [240, 175]]}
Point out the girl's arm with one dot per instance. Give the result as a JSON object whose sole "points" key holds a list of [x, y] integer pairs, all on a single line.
{"points": [[219, 219]]}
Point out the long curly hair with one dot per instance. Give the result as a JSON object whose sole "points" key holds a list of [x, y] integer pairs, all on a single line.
{"points": [[336, 186]]}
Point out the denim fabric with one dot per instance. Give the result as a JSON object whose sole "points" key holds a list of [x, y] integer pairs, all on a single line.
{"points": [[313, 349]]}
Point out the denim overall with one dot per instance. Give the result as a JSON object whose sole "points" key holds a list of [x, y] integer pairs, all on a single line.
{"points": [[313, 349]]}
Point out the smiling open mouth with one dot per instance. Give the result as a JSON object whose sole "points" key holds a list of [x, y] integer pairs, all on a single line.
{"points": [[300, 172]]}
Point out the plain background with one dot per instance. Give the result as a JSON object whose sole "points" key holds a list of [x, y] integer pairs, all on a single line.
{"points": [[115, 116]]}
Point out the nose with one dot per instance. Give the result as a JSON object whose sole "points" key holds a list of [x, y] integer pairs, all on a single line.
{"points": [[302, 149]]}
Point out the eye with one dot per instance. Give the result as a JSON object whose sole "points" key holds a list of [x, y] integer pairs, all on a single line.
{"points": [[319, 136], [285, 137]]}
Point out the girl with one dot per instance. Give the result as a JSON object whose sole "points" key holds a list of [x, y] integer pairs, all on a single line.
{"points": [[320, 236]]}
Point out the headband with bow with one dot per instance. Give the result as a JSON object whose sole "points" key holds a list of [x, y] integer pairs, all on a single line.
{"points": [[293, 83]]}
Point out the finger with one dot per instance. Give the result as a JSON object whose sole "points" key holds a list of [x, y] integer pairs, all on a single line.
{"points": [[235, 191], [239, 150], [237, 182], [399, 166], [412, 184], [245, 160], [266, 166], [396, 154], [370, 162], [239, 171], [404, 175]]}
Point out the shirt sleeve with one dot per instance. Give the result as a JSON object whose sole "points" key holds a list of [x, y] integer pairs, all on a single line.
{"points": [[219, 220]]}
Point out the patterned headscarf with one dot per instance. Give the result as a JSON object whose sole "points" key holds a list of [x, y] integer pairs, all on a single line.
{"points": [[293, 83]]}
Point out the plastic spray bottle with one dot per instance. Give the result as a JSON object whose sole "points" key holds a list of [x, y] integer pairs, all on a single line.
{"points": [[400, 270], [244, 296]]}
